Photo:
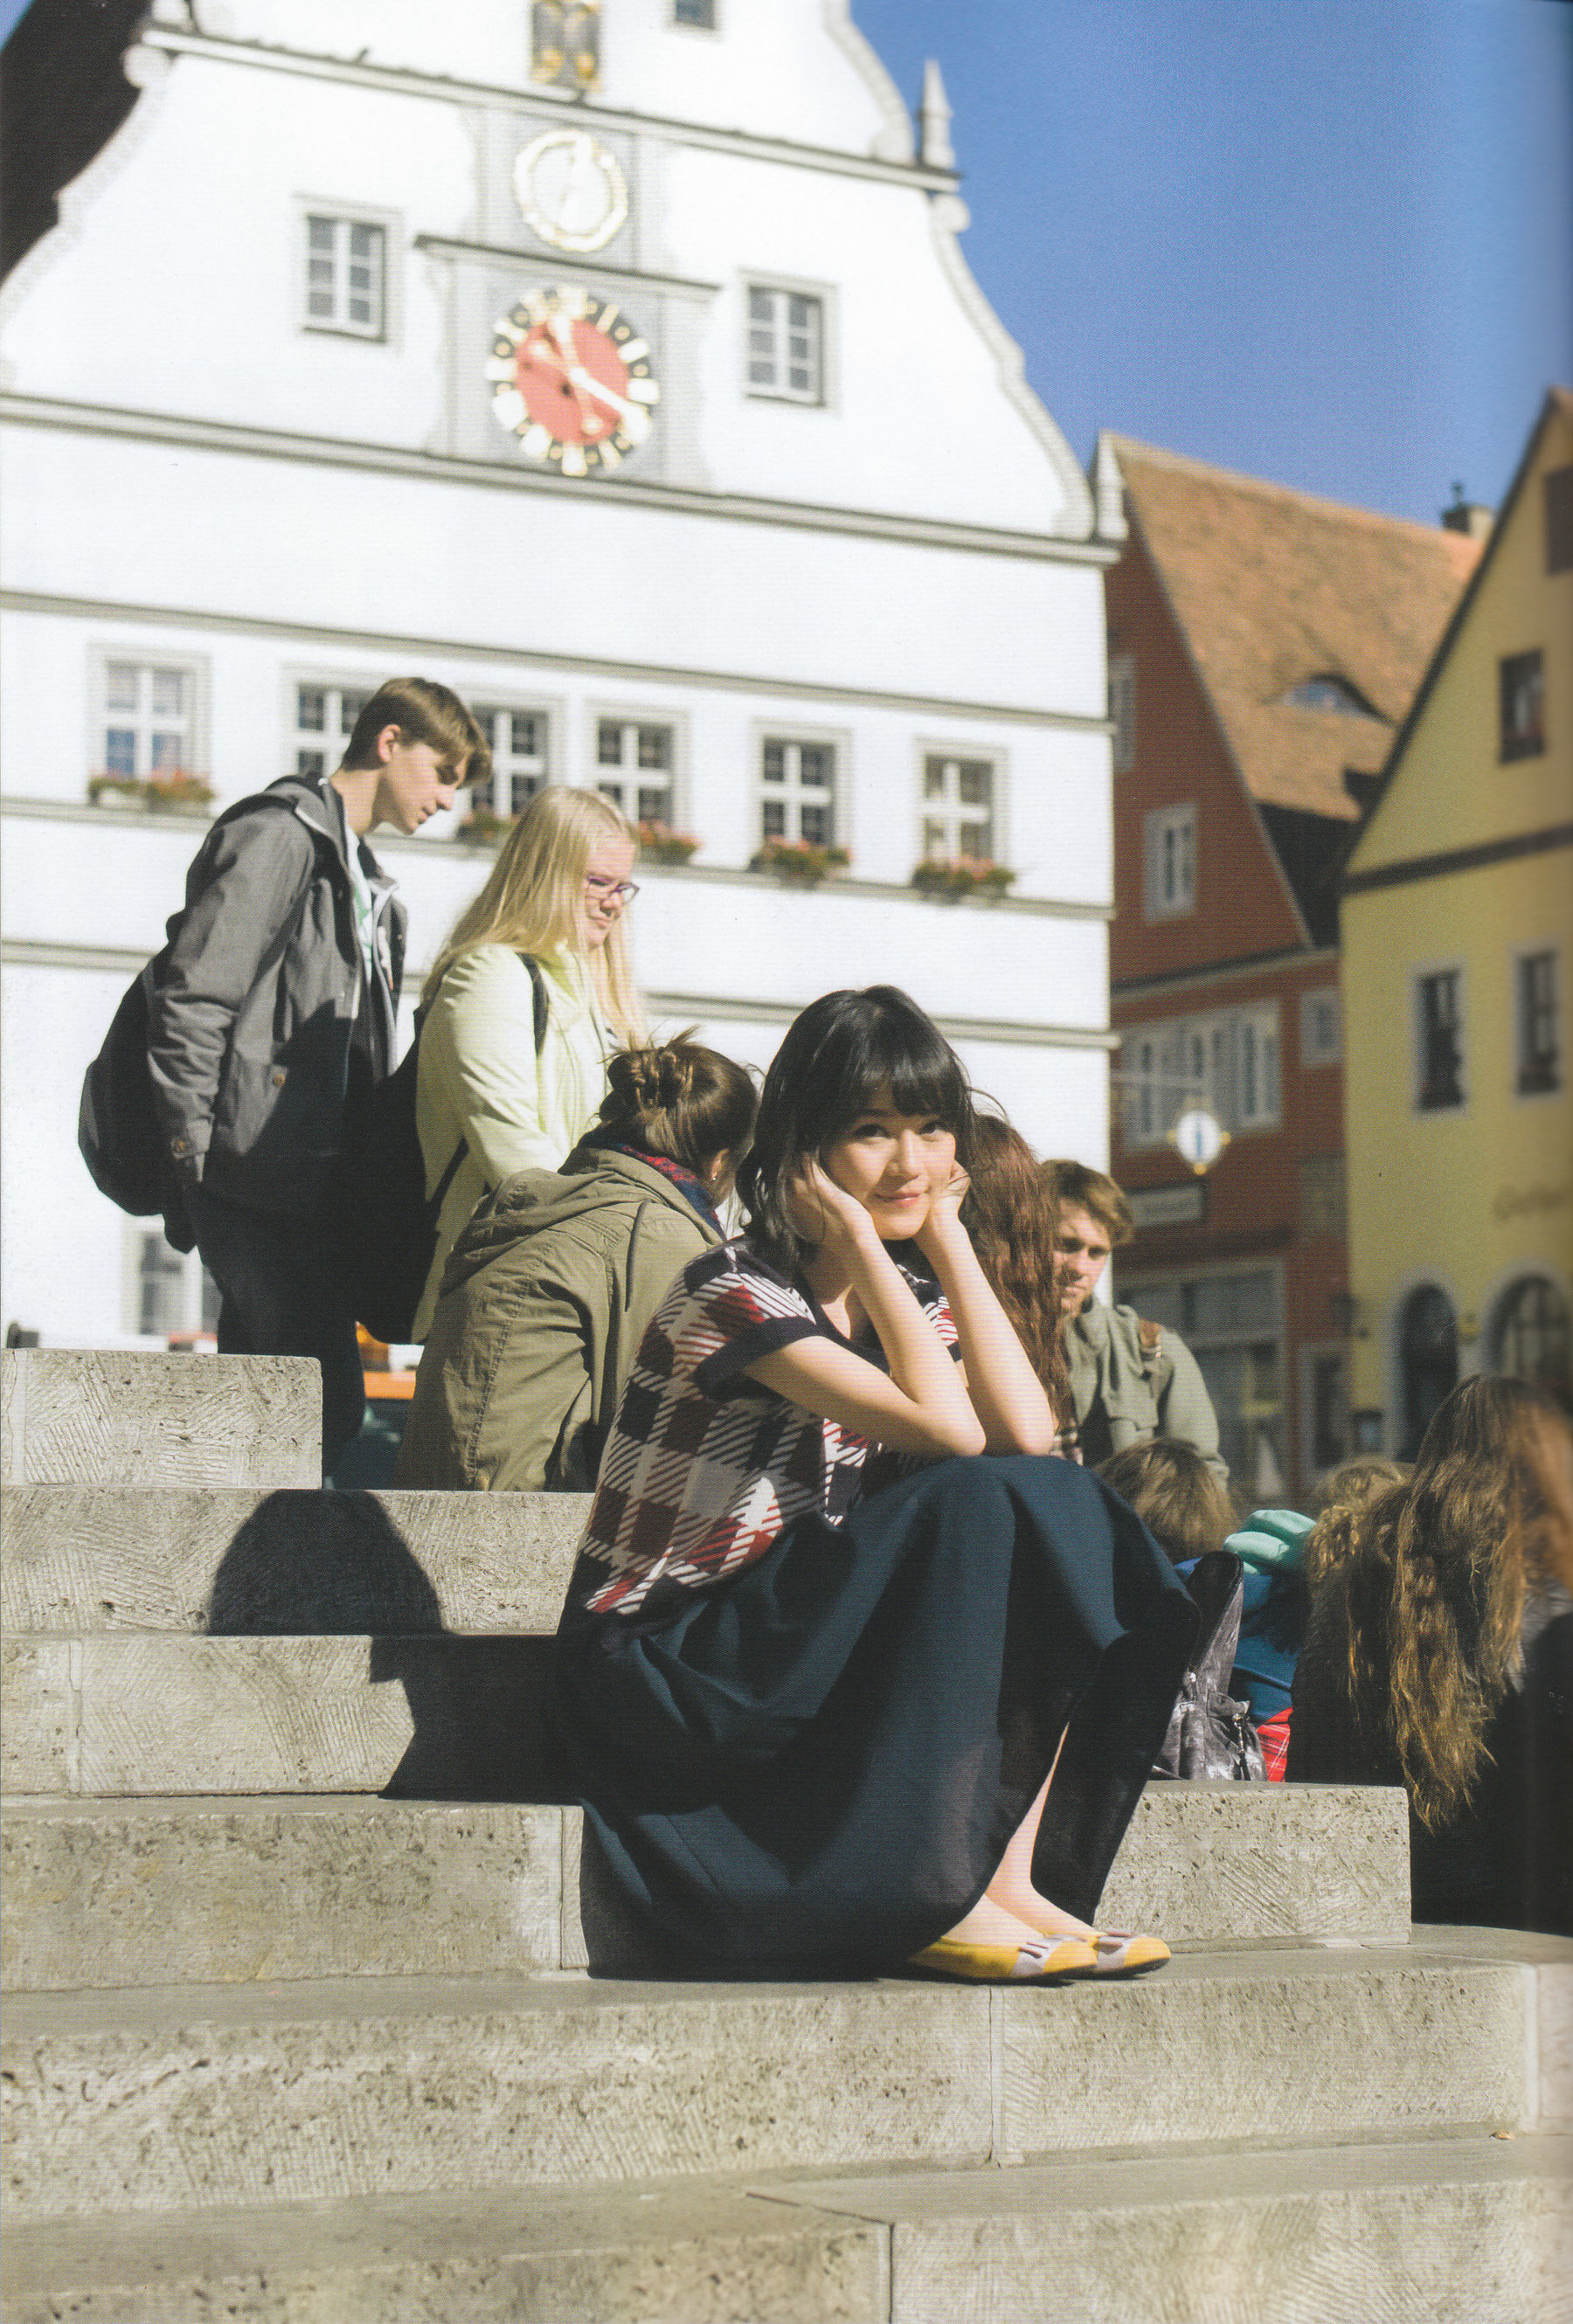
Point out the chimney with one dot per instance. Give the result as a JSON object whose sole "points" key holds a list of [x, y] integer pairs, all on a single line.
{"points": [[934, 122], [1467, 517]]}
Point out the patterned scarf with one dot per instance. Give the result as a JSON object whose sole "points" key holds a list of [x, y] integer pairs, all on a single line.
{"points": [[609, 1141]]}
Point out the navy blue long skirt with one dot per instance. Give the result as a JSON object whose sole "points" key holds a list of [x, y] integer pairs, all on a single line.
{"points": [[817, 1764]]}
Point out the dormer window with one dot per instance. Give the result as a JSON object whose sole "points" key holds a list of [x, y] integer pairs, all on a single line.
{"points": [[1326, 692]]}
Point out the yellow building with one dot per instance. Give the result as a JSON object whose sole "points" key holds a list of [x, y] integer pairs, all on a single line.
{"points": [[1458, 930]]}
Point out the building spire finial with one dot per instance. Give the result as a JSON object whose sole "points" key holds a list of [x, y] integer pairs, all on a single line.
{"points": [[935, 148]]}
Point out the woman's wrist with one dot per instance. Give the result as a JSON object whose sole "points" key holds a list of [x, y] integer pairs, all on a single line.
{"points": [[943, 1240]]}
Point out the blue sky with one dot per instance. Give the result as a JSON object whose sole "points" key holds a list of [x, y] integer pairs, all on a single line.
{"points": [[1324, 241], [1330, 241]]}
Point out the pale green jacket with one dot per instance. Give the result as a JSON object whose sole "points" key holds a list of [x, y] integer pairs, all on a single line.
{"points": [[1122, 1397], [479, 1079]]}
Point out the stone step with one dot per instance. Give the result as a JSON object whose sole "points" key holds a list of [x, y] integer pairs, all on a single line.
{"points": [[76, 1559], [441, 1716], [1475, 2230], [1455, 2230], [174, 2099], [88, 1417], [130, 1715], [690, 2254], [103, 1892]]}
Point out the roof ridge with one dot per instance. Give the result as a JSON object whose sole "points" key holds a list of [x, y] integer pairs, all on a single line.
{"points": [[1157, 456]]}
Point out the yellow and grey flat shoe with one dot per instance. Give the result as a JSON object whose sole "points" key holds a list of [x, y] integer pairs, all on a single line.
{"points": [[1125, 1953], [1036, 1961]]}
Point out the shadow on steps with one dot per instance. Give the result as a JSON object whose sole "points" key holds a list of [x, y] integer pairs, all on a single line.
{"points": [[334, 1564]]}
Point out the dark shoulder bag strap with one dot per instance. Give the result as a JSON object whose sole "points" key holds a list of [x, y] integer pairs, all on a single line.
{"points": [[542, 1011], [537, 992]]}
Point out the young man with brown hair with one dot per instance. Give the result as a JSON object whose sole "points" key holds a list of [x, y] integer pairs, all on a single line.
{"points": [[274, 1013], [1130, 1378]]}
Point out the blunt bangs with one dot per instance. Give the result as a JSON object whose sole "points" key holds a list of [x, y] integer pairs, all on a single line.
{"points": [[896, 1048]]}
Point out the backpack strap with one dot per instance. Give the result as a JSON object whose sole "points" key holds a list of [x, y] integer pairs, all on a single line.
{"points": [[538, 995], [542, 1011], [1151, 1336]]}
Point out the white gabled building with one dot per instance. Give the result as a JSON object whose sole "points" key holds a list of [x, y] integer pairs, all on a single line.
{"points": [[288, 408]]}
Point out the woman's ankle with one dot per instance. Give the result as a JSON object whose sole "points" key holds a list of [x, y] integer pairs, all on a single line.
{"points": [[1045, 1918], [990, 1922]]}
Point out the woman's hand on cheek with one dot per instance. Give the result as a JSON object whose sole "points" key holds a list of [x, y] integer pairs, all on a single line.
{"points": [[825, 1213], [944, 1211]]}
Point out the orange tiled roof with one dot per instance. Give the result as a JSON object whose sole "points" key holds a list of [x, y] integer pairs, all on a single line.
{"points": [[1272, 587]]}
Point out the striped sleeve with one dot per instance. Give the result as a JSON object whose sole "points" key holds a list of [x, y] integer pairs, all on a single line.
{"points": [[740, 1310]]}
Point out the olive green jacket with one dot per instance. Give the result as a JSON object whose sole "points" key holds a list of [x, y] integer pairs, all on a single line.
{"points": [[1124, 1393], [544, 1304]]}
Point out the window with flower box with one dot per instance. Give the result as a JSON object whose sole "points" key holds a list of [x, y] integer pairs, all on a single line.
{"points": [[520, 741], [148, 725], [325, 710], [958, 808], [635, 766], [797, 785]]}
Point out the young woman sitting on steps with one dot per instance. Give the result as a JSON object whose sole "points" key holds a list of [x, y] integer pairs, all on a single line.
{"points": [[852, 1673]]}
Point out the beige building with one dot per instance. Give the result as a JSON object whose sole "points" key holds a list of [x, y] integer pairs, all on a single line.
{"points": [[1457, 929]]}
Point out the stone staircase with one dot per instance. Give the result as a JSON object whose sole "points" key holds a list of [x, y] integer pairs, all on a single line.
{"points": [[298, 2028]]}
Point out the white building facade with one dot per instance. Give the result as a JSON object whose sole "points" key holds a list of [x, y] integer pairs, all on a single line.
{"points": [[620, 368]]}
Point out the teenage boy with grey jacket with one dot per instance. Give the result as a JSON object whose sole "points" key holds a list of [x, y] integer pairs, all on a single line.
{"points": [[274, 1013]]}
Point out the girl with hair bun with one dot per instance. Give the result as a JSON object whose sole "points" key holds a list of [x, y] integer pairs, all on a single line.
{"points": [[853, 1673], [497, 1091], [548, 1289]]}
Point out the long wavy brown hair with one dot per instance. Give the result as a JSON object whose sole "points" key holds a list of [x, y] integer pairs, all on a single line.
{"points": [[1012, 1215], [1418, 1594]]}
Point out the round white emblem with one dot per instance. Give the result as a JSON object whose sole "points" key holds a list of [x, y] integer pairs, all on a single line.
{"points": [[570, 190]]}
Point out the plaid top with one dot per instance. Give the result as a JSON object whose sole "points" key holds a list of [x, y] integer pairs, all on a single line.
{"points": [[704, 1467]]}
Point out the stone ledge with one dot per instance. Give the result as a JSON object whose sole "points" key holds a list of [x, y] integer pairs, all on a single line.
{"points": [[208, 2096], [135, 1714], [80, 1558], [659, 2254], [1318, 2235], [1474, 2230], [105, 1893], [91, 1417], [170, 2098]]}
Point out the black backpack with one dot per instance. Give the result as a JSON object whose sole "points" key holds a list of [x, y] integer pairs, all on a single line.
{"points": [[383, 1222], [117, 1132], [118, 1135]]}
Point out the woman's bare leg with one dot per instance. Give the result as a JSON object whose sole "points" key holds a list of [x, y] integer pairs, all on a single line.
{"points": [[1012, 1886]]}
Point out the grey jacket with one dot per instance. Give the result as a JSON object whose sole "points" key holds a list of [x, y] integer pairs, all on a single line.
{"points": [[1124, 1392], [546, 1297], [257, 995]]}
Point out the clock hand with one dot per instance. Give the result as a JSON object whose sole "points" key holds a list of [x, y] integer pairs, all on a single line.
{"points": [[578, 171], [561, 330], [618, 403], [575, 375]]}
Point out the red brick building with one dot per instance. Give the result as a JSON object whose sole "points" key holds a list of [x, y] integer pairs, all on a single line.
{"points": [[1264, 649]]}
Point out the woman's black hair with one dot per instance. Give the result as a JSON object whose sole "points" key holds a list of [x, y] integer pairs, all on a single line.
{"points": [[838, 1057]]}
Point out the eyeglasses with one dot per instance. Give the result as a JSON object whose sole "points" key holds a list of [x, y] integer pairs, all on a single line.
{"points": [[609, 891]]}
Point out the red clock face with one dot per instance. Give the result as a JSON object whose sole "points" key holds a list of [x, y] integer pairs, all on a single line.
{"points": [[572, 380]]}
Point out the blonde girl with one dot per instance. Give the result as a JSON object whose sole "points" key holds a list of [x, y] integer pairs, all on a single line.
{"points": [[557, 896]]}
